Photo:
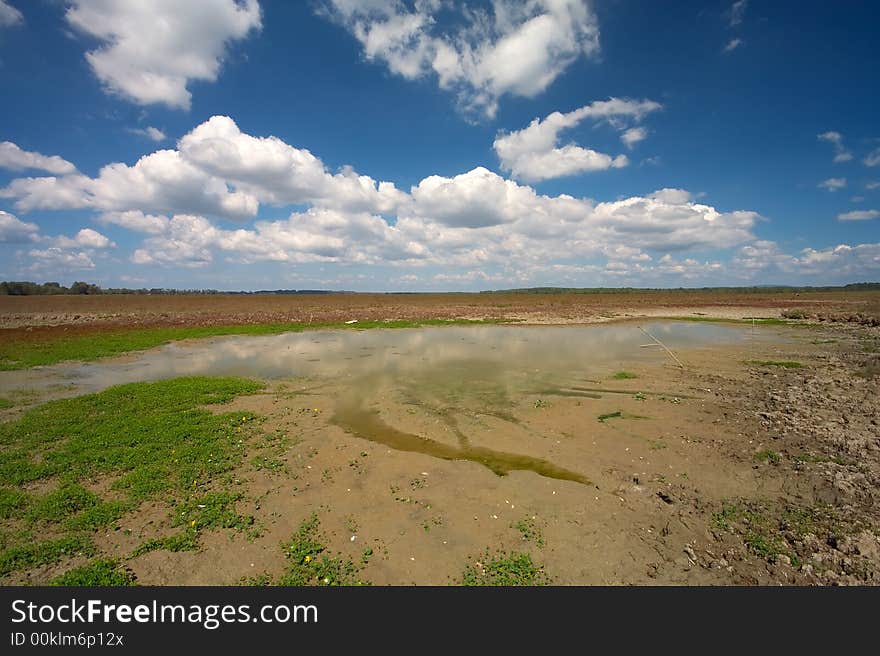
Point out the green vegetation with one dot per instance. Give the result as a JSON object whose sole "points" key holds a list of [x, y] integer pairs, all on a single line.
{"points": [[758, 532], [530, 531], [153, 440], [59, 504], [785, 364], [769, 530], [33, 554], [309, 563], [505, 569], [24, 353], [810, 457], [20, 397], [14, 288], [213, 510], [12, 502], [623, 375], [102, 572], [768, 456]]}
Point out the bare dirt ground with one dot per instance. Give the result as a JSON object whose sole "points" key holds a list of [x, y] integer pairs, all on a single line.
{"points": [[105, 311], [722, 472]]}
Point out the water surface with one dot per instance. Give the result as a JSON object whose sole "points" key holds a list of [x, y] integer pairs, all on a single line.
{"points": [[450, 371]]}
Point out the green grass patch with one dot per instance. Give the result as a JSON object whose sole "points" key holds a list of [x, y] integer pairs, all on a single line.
{"points": [[12, 502], [21, 354], [505, 569], [723, 517], [785, 364], [623, 375], [153, 435], [102, 572], [530, 531], [19, 397], [155, 441], [97, 516], [33, 554], [818, 458], [760, 532], [772, 529], [768, 456], [213, 510], [62, 503], [310, 564]]}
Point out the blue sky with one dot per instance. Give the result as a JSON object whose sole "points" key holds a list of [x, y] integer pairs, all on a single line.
{"points": [[439, 144]]}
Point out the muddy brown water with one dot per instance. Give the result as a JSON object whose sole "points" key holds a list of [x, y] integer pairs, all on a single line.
{"points": [[445, 370]]}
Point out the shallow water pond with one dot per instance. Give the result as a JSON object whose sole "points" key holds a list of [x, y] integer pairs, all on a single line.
{"points": [[449, 372]]}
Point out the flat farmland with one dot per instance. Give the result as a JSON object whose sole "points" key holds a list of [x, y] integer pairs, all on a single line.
{"points": [[563, 307]]}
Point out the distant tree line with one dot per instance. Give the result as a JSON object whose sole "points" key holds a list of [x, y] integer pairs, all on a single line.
{"points": [[16, 288]]}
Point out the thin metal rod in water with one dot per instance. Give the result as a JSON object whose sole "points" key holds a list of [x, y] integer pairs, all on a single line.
{"points": [[665, 348]]}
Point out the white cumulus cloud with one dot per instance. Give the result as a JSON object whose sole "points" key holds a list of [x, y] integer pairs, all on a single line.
{"points": [[533, 153], [833, 184], [58, 260], [136, 221], [15, 159], [85, 238], [173, 197], [150, 51], [632, 136], [841, 154], [516, 47], [733, 44], [858, 215], [276, 172], [13, 230], [150, 132]]}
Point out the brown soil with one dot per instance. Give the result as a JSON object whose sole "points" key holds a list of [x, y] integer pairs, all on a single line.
{"points": [[104, 311]]}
